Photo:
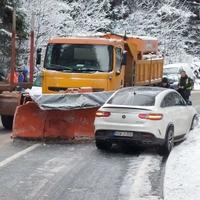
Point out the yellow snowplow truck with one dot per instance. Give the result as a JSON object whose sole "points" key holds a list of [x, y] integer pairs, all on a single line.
{"points": [[102, 64], [89, 65]]}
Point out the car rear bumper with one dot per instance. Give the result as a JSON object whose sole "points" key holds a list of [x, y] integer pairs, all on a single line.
{"points": [[139, 138]]}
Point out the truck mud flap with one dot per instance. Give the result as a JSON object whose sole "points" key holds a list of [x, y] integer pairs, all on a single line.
{"points": [[33, 123]]}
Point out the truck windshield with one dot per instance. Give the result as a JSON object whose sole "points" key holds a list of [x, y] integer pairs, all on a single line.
{"points": [[79, 58]]}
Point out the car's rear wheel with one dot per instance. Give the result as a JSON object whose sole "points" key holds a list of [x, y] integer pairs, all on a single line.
{"points": [[7, 121], [194, 123], [169, 141], [103, 145]]}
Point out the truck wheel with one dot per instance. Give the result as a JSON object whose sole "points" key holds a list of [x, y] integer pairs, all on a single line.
{"points": [[169, 142], [103, 145], [7, 121]]}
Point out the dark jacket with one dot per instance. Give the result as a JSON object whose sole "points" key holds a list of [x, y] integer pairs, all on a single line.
{"points": [[165, 83], [186, 83]]}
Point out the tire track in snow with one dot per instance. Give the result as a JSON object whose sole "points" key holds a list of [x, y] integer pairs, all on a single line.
{"points": [[137, 183]]}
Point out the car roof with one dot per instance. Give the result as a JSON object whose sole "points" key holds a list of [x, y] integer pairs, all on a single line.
{"points": [[153, 91], [177, 65], [181, 66], [158, 92], [162, 94]]}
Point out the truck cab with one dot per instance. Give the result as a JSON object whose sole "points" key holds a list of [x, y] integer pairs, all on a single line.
{"points": [[100, 63], [83, 62]]}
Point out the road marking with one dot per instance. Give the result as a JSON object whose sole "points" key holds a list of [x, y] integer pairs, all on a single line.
{"points": [[18, 155]]}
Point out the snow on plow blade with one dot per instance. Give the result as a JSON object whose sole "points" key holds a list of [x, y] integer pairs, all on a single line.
{"points": [[69, 116]]}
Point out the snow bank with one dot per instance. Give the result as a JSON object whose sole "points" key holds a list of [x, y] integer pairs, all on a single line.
{"points": [[182, 177], [197, 84]]}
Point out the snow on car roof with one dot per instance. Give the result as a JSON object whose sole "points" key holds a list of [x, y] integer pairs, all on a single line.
{"points": [[143, 89], [177, 65], [181, 66]]}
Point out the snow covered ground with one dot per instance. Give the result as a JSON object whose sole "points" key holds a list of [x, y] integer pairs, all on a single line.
{"points": [[197, 84], [182, 176]]}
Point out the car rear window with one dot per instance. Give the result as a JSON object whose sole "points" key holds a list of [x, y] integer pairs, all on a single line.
{"points": [[131, 98]]}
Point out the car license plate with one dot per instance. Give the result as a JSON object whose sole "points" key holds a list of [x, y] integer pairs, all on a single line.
{"points": [[123, 134]]}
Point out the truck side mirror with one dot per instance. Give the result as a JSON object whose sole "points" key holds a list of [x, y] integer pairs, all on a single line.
{"points": [[124, 57], [38, 57]]}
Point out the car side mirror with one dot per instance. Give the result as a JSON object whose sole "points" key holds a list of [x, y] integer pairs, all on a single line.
{"points": [[38, 56], [124, 58]]}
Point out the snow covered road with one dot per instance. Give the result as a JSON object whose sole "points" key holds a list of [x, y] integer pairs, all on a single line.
{"points": [[31, 170], [77, 172]]}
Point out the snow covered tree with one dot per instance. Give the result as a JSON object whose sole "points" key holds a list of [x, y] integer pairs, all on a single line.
{"points": [[159, 19], [90, 17], [6, 12], [193, 28], [49, 18], [174, 23]]}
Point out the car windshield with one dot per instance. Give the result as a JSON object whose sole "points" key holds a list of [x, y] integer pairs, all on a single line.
{"points": [[171, 70], [79, 58], [133, 98]]}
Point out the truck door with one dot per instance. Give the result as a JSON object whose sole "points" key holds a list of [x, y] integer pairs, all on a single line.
{"points": [[118, 72]]}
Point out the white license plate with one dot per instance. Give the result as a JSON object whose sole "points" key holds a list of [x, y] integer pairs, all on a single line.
{"points": [[123, 134]]}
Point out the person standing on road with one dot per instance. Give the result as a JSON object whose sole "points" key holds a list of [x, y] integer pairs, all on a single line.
{"points": [[185, 86]]}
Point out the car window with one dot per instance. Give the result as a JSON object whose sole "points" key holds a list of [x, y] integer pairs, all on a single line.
{"points": [[131, 98], [168, 101], [178, 100], [172, 99]]}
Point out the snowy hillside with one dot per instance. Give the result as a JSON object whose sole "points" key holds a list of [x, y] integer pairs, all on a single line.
{"points": [[167, 20], [174, 23]]}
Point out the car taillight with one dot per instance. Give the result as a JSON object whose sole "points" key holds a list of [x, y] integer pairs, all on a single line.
{"points": [[151, 116], [102, 114]]}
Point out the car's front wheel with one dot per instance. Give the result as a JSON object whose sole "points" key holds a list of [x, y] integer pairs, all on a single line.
{"points": [[169, 141], [103, 145]]}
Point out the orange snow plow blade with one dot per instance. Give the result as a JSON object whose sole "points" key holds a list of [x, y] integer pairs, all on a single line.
{"points": [[32, 122]]}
